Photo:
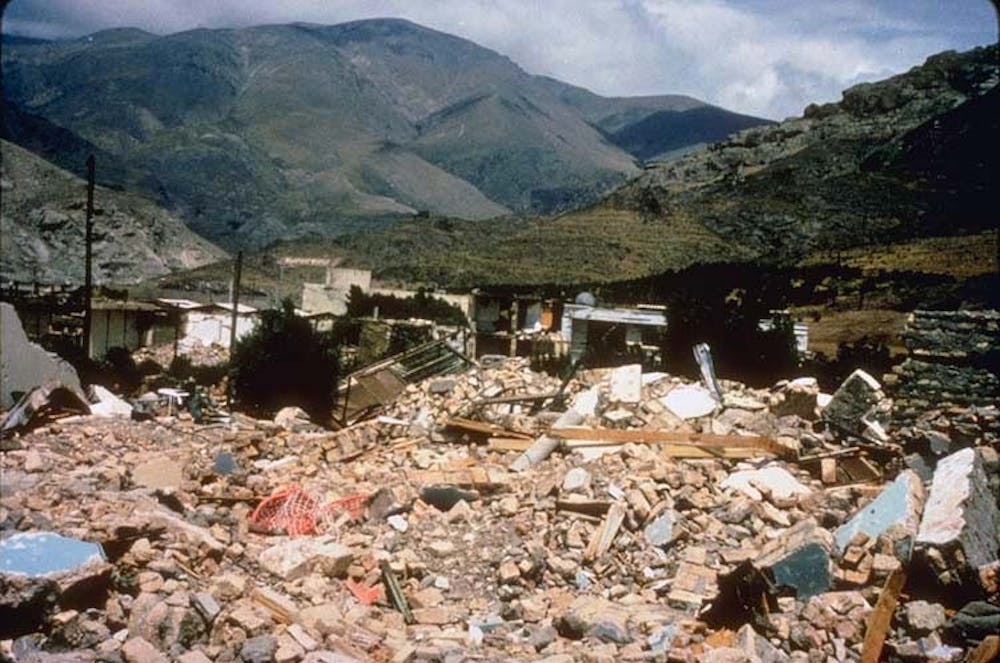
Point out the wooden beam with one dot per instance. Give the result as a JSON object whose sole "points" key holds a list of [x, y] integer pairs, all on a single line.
{"points": [[606, 533], [881, 617], [698, 445], [473, 477], [484, 428], [987, 651]]}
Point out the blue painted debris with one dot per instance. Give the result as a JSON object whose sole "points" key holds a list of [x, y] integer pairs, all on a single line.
{"points": [[807, 570], [898, 504], [36, 554], [225, 464]]}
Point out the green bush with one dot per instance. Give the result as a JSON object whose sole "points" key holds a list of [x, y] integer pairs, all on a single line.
{"points": [[284, 362]]}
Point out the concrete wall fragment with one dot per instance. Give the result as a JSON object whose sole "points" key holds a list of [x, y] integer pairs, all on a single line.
{"points": [[25, 365]]}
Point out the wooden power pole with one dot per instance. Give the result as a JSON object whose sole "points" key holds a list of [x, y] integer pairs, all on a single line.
{"points": [[237, 270], [88, 275]]}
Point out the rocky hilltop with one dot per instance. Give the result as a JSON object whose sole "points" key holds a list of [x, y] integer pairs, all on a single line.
{"points": [[42, 229], [283, 131], [893, 161]]}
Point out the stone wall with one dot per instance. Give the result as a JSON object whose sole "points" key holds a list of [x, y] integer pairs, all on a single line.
{"points": [[951, 378]]}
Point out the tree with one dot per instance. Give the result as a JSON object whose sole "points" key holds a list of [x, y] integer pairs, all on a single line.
{"points": [[285, 362]]}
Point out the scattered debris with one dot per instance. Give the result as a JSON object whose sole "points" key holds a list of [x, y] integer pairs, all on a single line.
{"points": [[475, 516]]}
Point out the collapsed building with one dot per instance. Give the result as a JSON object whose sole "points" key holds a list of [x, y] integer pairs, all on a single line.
{"points": [[492, 513]]}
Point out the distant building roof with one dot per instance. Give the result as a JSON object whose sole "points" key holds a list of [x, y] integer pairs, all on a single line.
{"points": [[188, 305], [630, 316], [123, 305]]}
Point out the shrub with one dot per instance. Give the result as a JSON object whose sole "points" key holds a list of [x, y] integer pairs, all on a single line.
{"points": [[284, 362]]}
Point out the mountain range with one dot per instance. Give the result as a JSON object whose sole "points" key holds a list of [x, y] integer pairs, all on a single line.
{"points": [[278, 132], [905, 158], [42, 226]]}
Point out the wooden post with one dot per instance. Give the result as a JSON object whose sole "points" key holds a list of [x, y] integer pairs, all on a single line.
{"points": [[881, 617], [237, 270], [88, 276]]}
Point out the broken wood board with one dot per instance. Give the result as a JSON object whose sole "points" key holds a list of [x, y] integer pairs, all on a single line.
{"points": [[988, 650], [280, 606], [476, 477], [596, 508], [881, 617], [677, 444], [509, 443], [522, 398], [484, 428], [606, 533]]}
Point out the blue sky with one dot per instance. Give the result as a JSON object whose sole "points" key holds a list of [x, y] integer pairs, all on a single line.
{"points": [[764, 57]]}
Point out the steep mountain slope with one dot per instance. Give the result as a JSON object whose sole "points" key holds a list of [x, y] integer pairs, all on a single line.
{"points": [[891, 161], [42, 221], [906, 158], [285, 131]]}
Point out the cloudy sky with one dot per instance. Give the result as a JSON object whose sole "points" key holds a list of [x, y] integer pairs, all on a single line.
{"points": [[763, 57]]}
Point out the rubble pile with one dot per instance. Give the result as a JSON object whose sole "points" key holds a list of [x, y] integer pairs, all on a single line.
{"points": [[197, 353], [502, 514]]}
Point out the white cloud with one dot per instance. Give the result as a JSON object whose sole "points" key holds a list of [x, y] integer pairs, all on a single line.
{"points": [[764, 57]]}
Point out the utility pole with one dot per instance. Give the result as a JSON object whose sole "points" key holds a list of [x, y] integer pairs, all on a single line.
{"points": [[88, 276], [237, 270]]}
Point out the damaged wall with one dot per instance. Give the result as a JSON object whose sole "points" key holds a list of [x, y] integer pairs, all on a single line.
{"points": [[25, 365]]}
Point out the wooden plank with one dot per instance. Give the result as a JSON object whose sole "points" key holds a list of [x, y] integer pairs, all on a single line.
{"points": [[679, 450], [987, 651], [518, 398], [473, 477], [586, 507], [509, 443], [483, 428], [606, 533], [611, 436], [881, 617]]}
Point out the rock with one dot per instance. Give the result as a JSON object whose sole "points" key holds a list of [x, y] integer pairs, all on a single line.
{"points": [[438, 615], [108, 405], [690, 401], [660, 532], [859, 407], [542, 636], [193, 656], [441, 548], [299, 557], [757, 647], [961, 520], [292, 418], [594, 617], [898, 505], [397, 522], [229, 586], [162, 472], [442, 386], [260, 649], [799, 559], [33, 461], [509, 573], [138, 650], [577, 480], [924, 617], [777, 482], [324, 619], [797, 398], [626, 384]]}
